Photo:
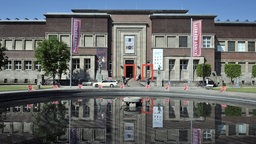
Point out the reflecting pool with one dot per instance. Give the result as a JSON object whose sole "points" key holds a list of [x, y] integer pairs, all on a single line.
{"points": [[140, 120]]}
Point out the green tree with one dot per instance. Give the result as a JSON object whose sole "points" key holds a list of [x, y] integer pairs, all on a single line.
{"points": [[3, 57], [203, 109], [233, 111], [50, 122], [203, 70], [53, 56], [232, 70], [254, 71], [3, 112]]}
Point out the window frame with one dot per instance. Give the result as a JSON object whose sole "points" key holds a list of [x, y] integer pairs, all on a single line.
{"points": [[18, 65], [207, 43], [87, 63], [250, 48], [181, 40], [231, 49], [28, 65]]}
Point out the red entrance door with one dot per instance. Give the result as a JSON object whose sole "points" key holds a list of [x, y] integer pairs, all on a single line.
{"points": [[133, 70]]}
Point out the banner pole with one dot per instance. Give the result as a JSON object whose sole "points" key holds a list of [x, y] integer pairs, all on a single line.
{"points": [[71, 48], [191, 53]]}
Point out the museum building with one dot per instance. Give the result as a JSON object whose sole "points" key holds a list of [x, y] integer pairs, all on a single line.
{"points": [[130, 43]]}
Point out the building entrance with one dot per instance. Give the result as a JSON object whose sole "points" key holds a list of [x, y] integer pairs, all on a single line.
{"points": [[130, 69]]}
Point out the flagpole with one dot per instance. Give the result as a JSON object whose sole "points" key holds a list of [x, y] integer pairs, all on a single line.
{"points": [[71, 48], [191, 73], [70, 84], [191, 53]]}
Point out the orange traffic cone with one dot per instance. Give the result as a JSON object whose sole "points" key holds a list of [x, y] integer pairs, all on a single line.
{"points": [[55, 86], [147, 86], [100, 86], [122, 86], [223, 88], [80, 86], [30, 87], [186, 87], [167, 87]]}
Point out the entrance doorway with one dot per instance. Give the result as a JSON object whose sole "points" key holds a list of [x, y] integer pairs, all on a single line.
{"points": [[130, 69]]}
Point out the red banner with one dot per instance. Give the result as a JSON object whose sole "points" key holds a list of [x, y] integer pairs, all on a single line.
{"points": [[76, 27], [196, 38]]}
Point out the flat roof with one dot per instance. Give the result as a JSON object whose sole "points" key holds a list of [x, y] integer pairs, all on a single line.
{"points": [[128, 11], [68, 14], [22, 21], [162, 15]]}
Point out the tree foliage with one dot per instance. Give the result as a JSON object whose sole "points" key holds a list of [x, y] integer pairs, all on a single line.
{"points": [[203, 70], [233, 111], [232, 70], [254, 71], [53, 56], [203, 109], [50, 122], [3, 57]]}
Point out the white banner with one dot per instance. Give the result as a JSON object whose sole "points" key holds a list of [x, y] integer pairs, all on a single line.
{"points": [[129, 44], [158, 116], [158, 59]]}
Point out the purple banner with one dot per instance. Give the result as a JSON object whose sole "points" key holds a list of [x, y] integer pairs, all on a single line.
{"points": [[76, 27]]}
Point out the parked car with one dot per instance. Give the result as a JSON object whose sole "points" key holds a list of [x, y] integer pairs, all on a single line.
{"points": [[106, 83], [210, 83]]}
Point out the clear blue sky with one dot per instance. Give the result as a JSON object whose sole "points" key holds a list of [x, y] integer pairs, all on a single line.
{"points": [[224, 9]]}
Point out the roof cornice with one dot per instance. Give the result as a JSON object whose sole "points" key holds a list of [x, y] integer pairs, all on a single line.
{"points": [[164, 15], [76, 15], [128, 11]]}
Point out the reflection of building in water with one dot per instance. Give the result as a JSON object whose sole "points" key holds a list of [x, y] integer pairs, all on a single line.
{"points": [[109, 121]]}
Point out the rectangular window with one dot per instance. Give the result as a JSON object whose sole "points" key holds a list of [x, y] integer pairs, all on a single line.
{"points": [[36, 43], [251, 46], [52, 36], [17, 65], [159, 40], [241, 46], [183, 41], [171, 41], [195, 63], [221, 46], [231, 46], [206, 41], [87, 64], [16, 109], [28, 65], [18, 45], [76, 63], [171, 64], [183, 135], [183, 64], [8, 66], [88, 41], [8, 44], [75, 111], [86, 112], [207, 135], [28, 45], [100, 41], [37, 66], [65, 39], [26, 108]]}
